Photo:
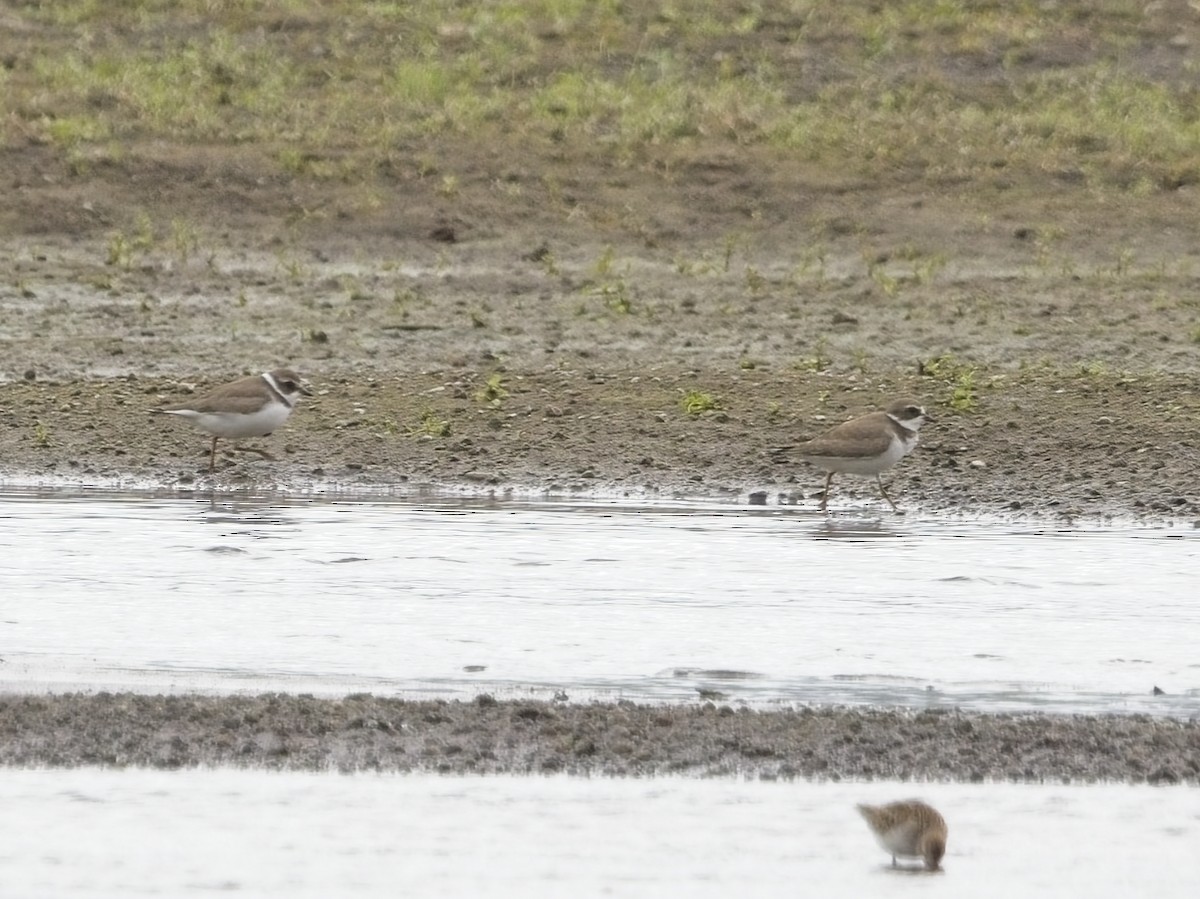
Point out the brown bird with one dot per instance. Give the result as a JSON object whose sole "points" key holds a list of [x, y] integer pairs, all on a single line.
{"points": [[910, 828], [867, 445], [249, 407]]}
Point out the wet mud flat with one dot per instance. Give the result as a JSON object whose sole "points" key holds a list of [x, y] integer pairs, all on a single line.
{"points": [[488, 736]]}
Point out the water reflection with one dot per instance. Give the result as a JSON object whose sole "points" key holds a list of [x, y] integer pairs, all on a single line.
{"points": [[855, 529]]}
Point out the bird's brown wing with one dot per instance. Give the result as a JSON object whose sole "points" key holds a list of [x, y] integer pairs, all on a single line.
{"points": [[243, 395], [857, 438]]}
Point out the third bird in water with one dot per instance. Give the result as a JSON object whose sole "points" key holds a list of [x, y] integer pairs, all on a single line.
{"points": [[867, 445], [910, 828]]}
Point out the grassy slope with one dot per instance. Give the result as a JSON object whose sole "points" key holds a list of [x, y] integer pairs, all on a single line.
{"points": [[935, 91]]}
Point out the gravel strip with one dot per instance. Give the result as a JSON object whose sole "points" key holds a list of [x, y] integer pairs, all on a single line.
{"points": [[487, 736]]}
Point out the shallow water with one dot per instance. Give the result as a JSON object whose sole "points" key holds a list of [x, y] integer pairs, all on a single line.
{"points": [[151, 833], [455, 597]]}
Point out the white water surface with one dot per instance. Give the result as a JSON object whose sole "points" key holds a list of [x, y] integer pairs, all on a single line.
{"points": [[100, 833], [454, 597]]}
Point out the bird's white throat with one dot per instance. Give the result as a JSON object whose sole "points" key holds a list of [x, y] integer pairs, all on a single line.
{"points": [[912, 424]]}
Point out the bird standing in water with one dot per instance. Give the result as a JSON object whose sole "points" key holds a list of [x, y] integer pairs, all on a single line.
{"points": [[910, 829]]}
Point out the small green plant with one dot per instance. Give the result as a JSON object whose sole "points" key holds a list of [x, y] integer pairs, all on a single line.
{"points": [[185, 238], [431, 425], [811, 262], [545, 258], [381, 426], [944, 367], [604, 264], [143, 233], [819, 360], [962, 392], [756, 283], [1093, 368], [291, 160], [694, 402], [615, 294], [356, 291], [292, 268], [1045, 240], [731, 245], [925, 269], [510, 189], [41, 434], [119, 252], [959, 378], [889, 284], [1124, 263], [493, 390], [70, 132]]}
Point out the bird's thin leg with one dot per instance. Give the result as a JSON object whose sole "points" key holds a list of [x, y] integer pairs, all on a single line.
{"points": [[894, 863], [825, 492], [883, 493], [212, 458]]}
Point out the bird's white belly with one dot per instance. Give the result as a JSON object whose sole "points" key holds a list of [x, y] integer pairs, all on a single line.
{"points": [[235, 425], [898, 841], [896, 451]]}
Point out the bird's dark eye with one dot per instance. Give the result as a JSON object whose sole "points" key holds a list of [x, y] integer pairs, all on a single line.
{"points": [[914, 411]]}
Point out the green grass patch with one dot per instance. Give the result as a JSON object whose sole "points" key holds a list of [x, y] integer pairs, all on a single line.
{"points": [[41, 433], [696, 402], [939, 90], [431, 424], [493, 392]]}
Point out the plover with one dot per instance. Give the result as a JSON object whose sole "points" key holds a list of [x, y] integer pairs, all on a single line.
{"points": [[910, 829], [248, 407], [867, 445]]}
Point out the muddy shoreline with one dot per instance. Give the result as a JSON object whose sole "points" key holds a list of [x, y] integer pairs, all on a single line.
{"points": [[1092, 452], [487, 736], [487, 374]]}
